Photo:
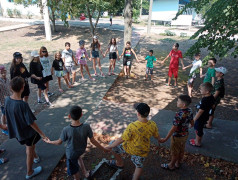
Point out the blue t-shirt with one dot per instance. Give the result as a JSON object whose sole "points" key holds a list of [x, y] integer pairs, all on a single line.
{"points": [[150, 61]]}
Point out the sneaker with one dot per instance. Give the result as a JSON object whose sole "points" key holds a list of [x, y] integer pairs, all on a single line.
{"points": [[36, 160], [95, 74], [32, 110], [109, 74], [40, 102], [102, 75], [36, 172], [49, 104], [50, 94], [5, 132]]}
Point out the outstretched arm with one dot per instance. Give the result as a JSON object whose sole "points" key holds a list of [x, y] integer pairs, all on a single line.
{"points": [[182, 62], [165, 59], [95, 143], [170, 133], [56, 142], [115, 143], [37, 129], [199, 113], [135, 55]]}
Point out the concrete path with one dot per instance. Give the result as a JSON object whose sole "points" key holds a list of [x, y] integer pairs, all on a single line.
{"points": [[220, 142], [87, 94]]}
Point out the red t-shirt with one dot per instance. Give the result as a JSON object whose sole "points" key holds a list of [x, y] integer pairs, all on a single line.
{"points": [[175, 55]]}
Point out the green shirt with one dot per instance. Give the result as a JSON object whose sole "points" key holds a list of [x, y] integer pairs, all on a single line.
{"points": [[219, 86], [150, 61], [211, 72]]}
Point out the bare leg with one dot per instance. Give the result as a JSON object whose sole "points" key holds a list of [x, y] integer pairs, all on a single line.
{"points": [[29, 159], [81, 164], [110, 66], [39, 94], [119, 160], [137, 173], [173, 161], [128, 70], [198, 140], [175, 81], [209, 122], [67, 82], [68, 76], [86, 67], [190, 88], [99, 65], [59, 83], [81, 70], [152, 76], [180, 158], [47, 86], [114, 64], [125, 71], [169, 81], [146, 76], [73, 77], [46, 95], [76, 176], [94, 66]]}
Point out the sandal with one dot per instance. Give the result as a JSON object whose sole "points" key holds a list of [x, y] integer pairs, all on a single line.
{"points": [[112, 163], [168, 84], [2, 151], [166, 166], [3, 160], [193, 143]]}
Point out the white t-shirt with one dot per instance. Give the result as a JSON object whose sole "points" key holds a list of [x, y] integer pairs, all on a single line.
{"points": [[68, 56], [113, 48], [46, 66], [196, 64]]}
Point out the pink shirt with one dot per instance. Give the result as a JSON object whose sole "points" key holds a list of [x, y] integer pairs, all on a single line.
{"points": [[4, 90], [81, 54]]}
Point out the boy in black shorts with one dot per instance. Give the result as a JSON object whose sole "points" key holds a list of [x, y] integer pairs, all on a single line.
{"points": [[21, 124], [203, 110], [76, 135]]}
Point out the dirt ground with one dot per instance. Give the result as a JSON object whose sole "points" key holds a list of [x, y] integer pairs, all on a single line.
{"points": [[6, 23]]}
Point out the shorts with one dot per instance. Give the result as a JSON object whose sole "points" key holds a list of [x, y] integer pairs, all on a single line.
{"points": [[149, 70], [31, 141], [3, 110], [137, 160], [70, 69], [177, 145], [127, 62], [95, 54], [112, 55], [41, 85], [47, 78], [191, 79], [60, 73], [82, 62], [198, 126], [173, 71], [26, 91], [72, 166], [110, 19]]}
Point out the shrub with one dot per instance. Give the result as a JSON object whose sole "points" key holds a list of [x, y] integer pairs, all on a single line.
{"points": [[183, 34], [169, 33], [29, 15], [17, 13], [9, 13]]}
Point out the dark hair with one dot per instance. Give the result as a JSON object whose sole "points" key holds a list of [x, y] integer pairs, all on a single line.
{"points": [[151, 51], [214, 60], [13, 65], [43, 48], [75, 112], [176, 45], [114, 41], [67, 44], [128, 42], [185, 99], [197, 54], [208, 86], [95, 43], [17, 83]]}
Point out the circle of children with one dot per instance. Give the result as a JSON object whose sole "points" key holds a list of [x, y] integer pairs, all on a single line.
{"points": [[19, 121]]}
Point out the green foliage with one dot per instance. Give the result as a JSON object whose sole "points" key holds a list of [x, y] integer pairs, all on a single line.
{"points": [[220, 27], [169, 33], [17, 13], [29, 15], [9, 13], [183, 34]]}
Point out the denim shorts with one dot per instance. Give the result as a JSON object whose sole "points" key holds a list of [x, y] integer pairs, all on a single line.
{"points": [[137, 160], [60, 73], [95, 54], [70, 69], [72, 166], [149, 70]]}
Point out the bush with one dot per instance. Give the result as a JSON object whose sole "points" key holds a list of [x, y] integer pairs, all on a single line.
{"points": [[17, 13], [183, 34], [29, 15], [169, 33], [1, 11], [9, 13]]}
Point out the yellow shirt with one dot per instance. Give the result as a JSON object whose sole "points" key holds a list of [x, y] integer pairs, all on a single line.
{"points": [[137, 137]]}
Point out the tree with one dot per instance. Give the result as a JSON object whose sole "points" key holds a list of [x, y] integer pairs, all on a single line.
{"points": [[219, 29], [127, 21], [46, 20], [149, 19]]}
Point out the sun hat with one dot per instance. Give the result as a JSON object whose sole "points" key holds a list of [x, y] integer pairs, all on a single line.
{"points": [[81, 42], [95, 37], [223, 70], [17, 55], [142, 108], [34, 54]]}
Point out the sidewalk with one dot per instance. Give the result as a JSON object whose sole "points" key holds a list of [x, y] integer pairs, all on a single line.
{"points": [[219, 142]]}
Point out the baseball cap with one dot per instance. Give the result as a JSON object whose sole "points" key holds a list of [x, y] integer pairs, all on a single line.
{"points": [[223, 70], [2, 68], [17, 55], [142, 108], [81, 42], [95, 37], [34, 54]]}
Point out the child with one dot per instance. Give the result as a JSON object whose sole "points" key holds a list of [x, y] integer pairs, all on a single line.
{"points": [[45, 62], [127, 60], [203, 110], [197, 64], [179, 132], [210, 74], [58, 66], [175, 55], [69, 62], [19, 69], [218, 92], [113, 55], [135, 140], [150, 64], [95, 48], [21, 125], [76, 135], [4, 92], [36, 70], [81, 55], [111, 20]]}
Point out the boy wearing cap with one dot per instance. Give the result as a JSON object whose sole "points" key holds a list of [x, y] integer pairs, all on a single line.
{"points": [[218, 92], [4, 92], [135, 140]]}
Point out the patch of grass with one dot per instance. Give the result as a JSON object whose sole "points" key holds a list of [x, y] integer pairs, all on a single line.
{"points": [[167, 40]]}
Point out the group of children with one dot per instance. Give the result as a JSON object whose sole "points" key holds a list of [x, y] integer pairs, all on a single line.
{"points": [[135, 140]]}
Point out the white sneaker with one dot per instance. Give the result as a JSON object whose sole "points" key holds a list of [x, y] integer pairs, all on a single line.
{"points": [[36, 160]]}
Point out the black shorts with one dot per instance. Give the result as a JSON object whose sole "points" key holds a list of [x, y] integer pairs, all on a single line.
{"points": [[72, 166], [31, 141], [26, 91], [113, 55], [47, 78], [127, 62], [198, 126]]}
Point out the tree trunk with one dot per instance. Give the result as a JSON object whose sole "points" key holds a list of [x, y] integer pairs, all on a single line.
{"points": [[90, 20], [127, 21], [149, 19], [141, 9], [53, 20], [46, 21]]}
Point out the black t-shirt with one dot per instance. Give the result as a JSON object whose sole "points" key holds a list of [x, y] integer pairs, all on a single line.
{"points": [[19, 70], [128, 53], [205, 104], [58, 65], [36, 68]]}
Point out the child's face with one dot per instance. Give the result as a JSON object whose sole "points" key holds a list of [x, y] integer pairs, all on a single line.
{"points": [[211, 63], [58, 56], [197, 57], [82, 46], [174, 47], [18, 60], [128, 45], [67, 47], [203, 90], [113, 41], [180, 103], [219, 74], [3, 74], [150, 53]]}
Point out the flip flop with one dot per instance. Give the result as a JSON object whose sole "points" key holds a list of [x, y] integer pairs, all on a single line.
{"points": [[193, 143], [166, 166], [112, 163]]}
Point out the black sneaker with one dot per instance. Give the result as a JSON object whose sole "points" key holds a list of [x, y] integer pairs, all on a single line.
{"points": [[49, 104], [50, 94], [40, 102]]}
